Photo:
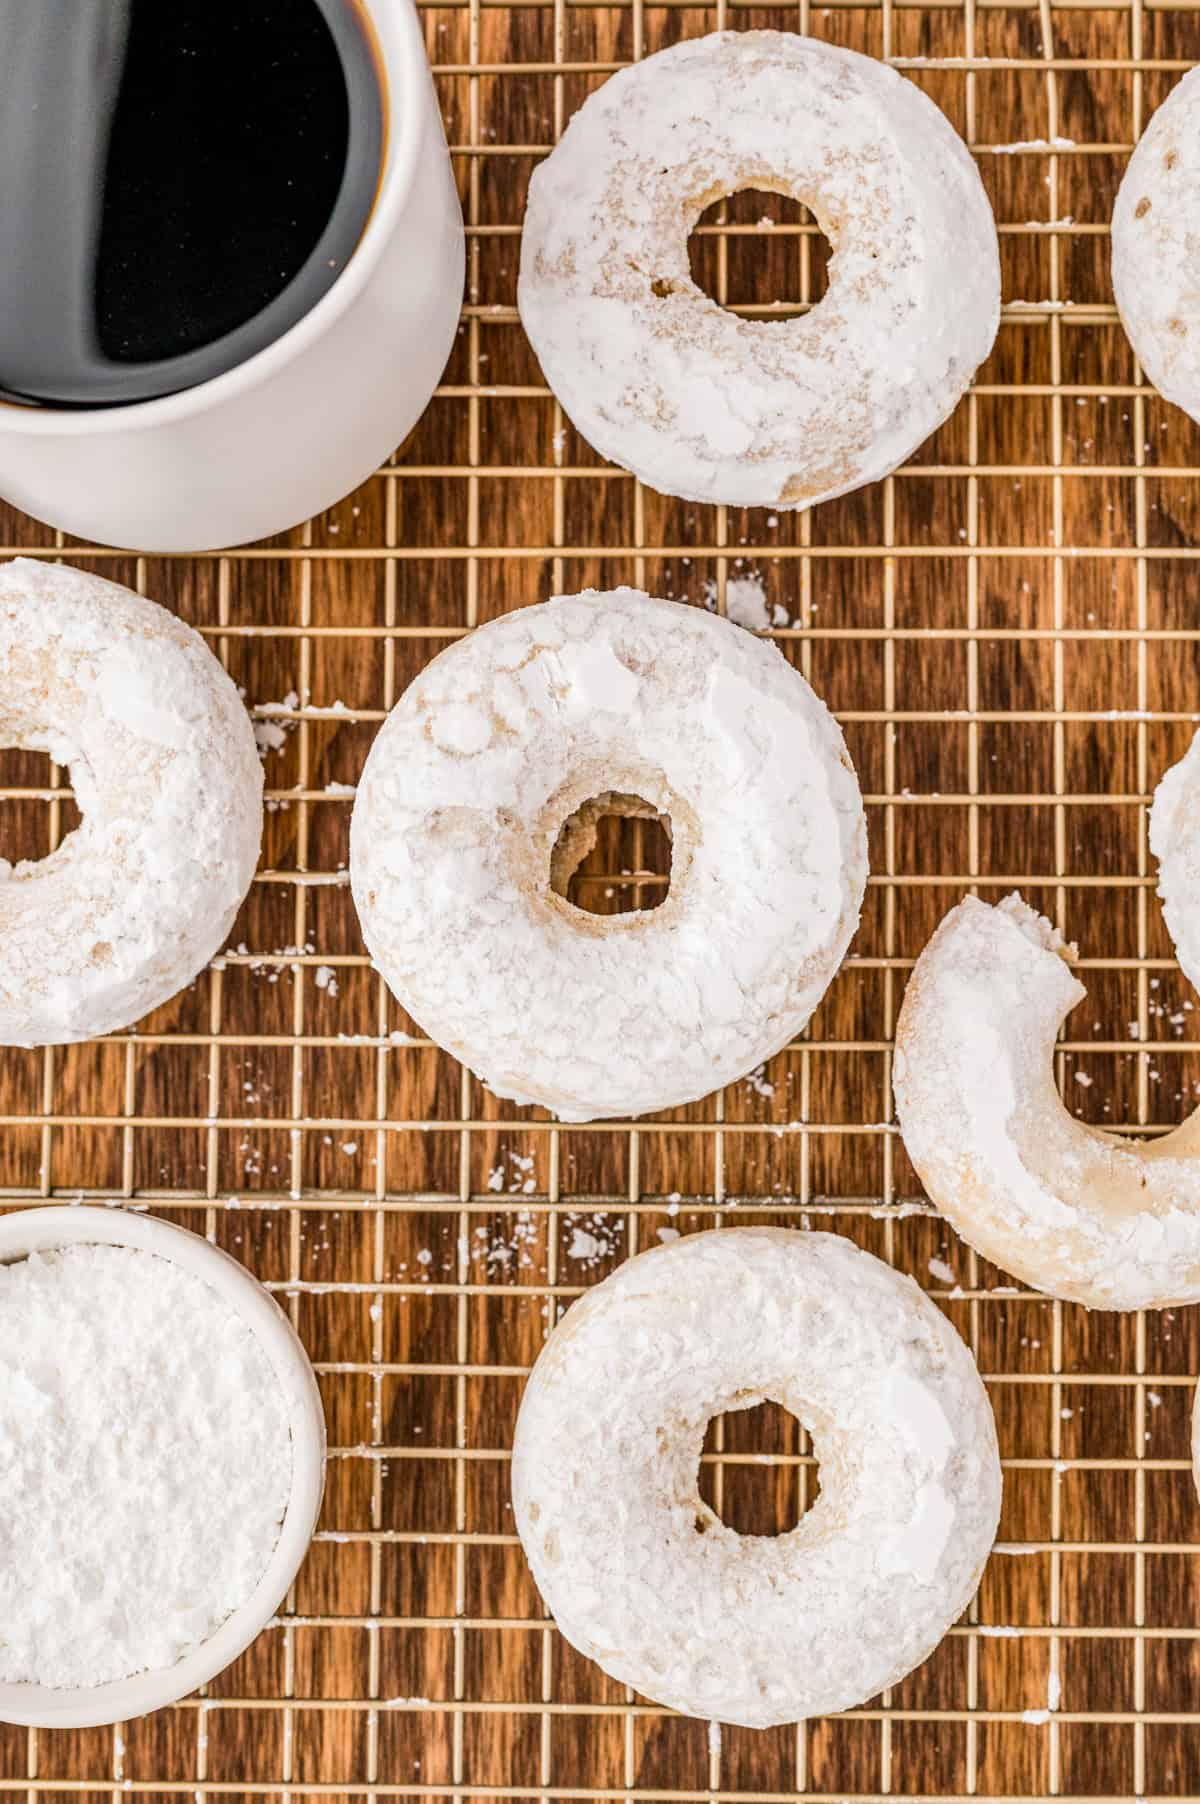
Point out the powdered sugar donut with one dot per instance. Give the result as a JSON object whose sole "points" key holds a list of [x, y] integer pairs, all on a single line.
{"points": [[1153, 247], [478, 801], [1175, 842], [164, 768], [1068, 1208], [781, 413], [647, 1581]]}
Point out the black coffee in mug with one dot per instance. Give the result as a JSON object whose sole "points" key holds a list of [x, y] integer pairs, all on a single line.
{"points": [[180, 182]]}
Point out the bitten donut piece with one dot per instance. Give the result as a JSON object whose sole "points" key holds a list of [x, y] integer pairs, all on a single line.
{"points": [[479, 800], [646, 1580], [134, 902], [1153, 247], [694, 400], [1070, 1209]]}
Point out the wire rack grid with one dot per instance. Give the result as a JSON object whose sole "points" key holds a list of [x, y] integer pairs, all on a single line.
{"points": [[1007, 630]]}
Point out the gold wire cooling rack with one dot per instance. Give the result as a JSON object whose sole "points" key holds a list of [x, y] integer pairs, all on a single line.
{"points": [[1008, 630]]}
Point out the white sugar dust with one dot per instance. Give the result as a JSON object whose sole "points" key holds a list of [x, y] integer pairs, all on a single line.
{"points": [[145, 1464]]}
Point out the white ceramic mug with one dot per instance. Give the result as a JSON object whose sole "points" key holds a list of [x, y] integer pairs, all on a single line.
{"points": [[301, 423]]}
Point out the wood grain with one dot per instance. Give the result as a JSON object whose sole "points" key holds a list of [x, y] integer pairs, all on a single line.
{"points": [[1008, 629]]}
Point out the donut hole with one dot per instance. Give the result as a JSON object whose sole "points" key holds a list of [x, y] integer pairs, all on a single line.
{"points": [[763, 254], [37, 808], [757, 1471], [613, 856]]}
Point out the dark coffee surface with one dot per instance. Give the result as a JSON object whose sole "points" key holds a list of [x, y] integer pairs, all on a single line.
{"points": [[183, 181]]}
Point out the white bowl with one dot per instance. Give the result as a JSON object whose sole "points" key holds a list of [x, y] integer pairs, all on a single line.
{"points": [[82, 1707]]}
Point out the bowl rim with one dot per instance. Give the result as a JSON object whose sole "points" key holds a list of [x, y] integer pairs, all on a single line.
{"points": [[44, 1229]]}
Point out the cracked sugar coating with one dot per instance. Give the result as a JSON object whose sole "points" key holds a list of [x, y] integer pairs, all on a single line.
{"points": [[1154, 247], [499, 742], [641, 1575], [1086, 1215], [137, 899], [782, 413]]}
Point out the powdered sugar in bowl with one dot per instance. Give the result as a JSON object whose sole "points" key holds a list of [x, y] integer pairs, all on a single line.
{"points": [[164, 1430]]}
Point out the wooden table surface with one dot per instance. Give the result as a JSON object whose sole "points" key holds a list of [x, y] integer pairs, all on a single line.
{"points": [[1008, 629]]}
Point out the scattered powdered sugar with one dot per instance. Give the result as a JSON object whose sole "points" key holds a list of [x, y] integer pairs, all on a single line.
{"points": [[1053, 1692], [509, 1246], [745, 601], [269, 736], [595, 1238], [145, 1464], [759, 1084], [517, 1178], [1023, 144], [272, 725]]}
